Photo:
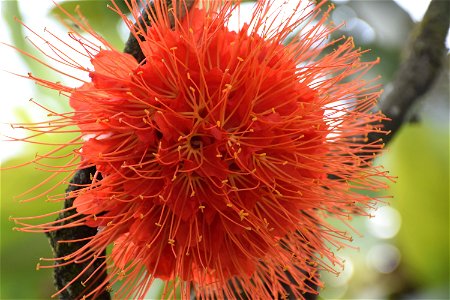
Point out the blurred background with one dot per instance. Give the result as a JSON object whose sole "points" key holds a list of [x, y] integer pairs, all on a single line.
{"points": [[402, 252]]}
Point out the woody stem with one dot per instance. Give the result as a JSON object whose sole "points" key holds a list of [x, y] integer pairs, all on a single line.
{"points": [[422, 63]]}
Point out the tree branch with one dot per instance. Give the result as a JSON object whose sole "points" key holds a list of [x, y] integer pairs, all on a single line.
{"points": [[63, 275], [132, 45], [424, 59]]}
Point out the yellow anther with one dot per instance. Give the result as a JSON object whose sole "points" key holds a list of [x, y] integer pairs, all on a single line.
{"points": [[229, 205], [171, 242], [158, 224], [201, 207], [240, 59], [243, 214]]}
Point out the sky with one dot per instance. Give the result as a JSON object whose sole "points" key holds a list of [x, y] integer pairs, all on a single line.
{"points": [[17, 92]]}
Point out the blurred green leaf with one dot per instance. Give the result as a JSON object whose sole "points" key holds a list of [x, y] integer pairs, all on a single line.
{"points": [[102, 19], [419, 156], [11, 13], [20, 251]]}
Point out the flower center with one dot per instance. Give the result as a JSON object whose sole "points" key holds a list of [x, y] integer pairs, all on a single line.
{"points": [[195, 142]]}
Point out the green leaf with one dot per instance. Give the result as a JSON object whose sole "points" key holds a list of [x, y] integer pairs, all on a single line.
{"points": [[102, 19], [20, 251], [419, 157]]}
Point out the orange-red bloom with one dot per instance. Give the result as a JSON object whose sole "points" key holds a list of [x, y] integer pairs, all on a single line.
{"points": [[217, 153]]}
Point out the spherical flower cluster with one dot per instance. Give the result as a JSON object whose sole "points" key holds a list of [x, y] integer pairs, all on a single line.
{"points": [[222, 154]]}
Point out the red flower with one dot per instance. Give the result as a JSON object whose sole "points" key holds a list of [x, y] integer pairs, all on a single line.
{"points": [[217, 152]]}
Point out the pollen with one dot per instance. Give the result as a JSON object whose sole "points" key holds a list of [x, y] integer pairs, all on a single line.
{"points": [[243, 214]]}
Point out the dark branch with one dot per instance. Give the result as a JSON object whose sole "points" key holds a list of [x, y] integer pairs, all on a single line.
{"points": [[132, 45], [63, 275], [424, 59]]}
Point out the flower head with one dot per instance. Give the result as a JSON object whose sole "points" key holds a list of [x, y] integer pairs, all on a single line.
{"points": [[217, 155]]}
